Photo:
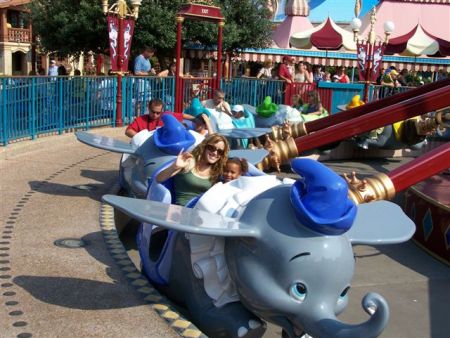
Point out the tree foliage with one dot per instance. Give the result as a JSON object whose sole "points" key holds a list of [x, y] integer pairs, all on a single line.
{"points": [[69, 26], [74, 26]]}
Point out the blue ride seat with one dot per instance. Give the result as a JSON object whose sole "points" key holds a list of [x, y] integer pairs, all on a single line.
{"points": [[155, 244]]}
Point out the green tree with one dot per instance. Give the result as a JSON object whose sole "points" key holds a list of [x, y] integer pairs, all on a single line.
{"points": [[74, 26], [69, 26]]}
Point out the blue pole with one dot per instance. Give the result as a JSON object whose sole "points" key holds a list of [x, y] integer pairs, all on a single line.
{"points": [[32, 107], [60, 106], [88, 100], [4, 119]]}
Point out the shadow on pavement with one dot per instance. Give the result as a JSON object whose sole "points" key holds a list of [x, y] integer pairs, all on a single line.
{"points": [[84, 294], [76, 293], [91, 190]]}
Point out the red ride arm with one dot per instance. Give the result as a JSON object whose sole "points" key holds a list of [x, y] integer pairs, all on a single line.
{"points": [[421, 168]]}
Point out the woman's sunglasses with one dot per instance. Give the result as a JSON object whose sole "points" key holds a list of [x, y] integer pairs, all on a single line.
{"points": [[213, 149]]}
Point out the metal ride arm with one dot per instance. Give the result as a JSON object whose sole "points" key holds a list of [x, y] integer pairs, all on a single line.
{"points": [[430, 100], [371, 106], [385, 186]]}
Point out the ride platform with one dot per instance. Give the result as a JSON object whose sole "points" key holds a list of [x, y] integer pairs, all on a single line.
{"points": [[51, 190]]}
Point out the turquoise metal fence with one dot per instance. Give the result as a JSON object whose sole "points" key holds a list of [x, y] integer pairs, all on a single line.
{"points": [[341, 93], [252, 91], [31, 106], [137, 91]]}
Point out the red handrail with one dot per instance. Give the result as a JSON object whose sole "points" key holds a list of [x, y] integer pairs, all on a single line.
{"points": [[403, 110], [421, 168], [371, 106]]}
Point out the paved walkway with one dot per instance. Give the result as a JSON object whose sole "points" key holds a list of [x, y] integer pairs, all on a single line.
{"points": [[50, 190]]}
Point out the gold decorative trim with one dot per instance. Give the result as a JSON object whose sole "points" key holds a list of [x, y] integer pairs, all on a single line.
{"points": [[378, 187], [279, 152]]}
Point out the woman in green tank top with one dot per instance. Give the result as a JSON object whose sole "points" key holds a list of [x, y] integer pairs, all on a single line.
{"points": [[194, 173]]}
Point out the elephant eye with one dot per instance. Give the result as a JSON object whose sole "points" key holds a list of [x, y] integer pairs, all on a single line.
{"points": [[344, 293], [298, 292]]}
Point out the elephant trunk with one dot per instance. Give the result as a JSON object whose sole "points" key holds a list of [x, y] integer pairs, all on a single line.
{"points": [[330, 326]]}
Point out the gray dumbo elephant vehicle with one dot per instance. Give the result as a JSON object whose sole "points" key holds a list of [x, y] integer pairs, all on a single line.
{"points": [[284, 257]]}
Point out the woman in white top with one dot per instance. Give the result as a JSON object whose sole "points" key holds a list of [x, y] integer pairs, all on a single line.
{"points": [[303, 74], [266, 71]]}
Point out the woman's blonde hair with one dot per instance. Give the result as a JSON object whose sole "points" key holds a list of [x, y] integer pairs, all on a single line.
{"points": [[199, 152], [267, 63]]}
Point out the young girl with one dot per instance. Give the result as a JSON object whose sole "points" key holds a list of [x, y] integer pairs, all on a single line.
{"points": [[234, 168], [194, 173], [314, 106]]}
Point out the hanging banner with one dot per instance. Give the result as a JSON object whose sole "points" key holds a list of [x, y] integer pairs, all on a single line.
{"points": [[378, 52], [113, 32], [128, 30], [369, 54], [362, 56]]}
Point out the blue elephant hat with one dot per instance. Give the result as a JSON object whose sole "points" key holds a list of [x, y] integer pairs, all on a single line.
{"points": [[320, 198], [172, 137], [196, 108]]}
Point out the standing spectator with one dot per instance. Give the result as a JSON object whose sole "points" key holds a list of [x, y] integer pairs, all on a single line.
{"points": [[62, 71], [142, 65], [169, 71], [402, 77], [318, 75], [53, 69], [266, 71], [390, 79], [343, 77], [380, 77], [303, 75], [283, 72]]}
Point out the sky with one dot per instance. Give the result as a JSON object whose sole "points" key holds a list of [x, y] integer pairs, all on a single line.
{"points": [[338, 10]]}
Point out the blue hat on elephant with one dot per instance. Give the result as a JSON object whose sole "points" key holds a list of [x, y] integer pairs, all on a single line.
{"points": [[196, 108], [172, 137], [320, 198]]}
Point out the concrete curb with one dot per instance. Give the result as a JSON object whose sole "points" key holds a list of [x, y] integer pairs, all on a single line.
{"points": [[149, 294]]}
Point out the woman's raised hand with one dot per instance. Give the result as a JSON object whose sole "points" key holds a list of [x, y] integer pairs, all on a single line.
{"points": [[182, 160]]}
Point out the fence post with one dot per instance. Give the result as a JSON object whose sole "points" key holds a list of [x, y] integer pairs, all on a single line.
{"points": [[60, 106], [88, 99], [32, 105], [4, 119], [255, 93]]}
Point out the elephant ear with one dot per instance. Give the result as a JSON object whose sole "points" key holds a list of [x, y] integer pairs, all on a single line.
{"points": [[106, 143], [180, 218], [380, 222], [253, 156]]}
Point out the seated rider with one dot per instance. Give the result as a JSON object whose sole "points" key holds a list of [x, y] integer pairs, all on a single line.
{"points": [[150, 121], [314, 106], [194, 173], [234, 168], [218, 103]]}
